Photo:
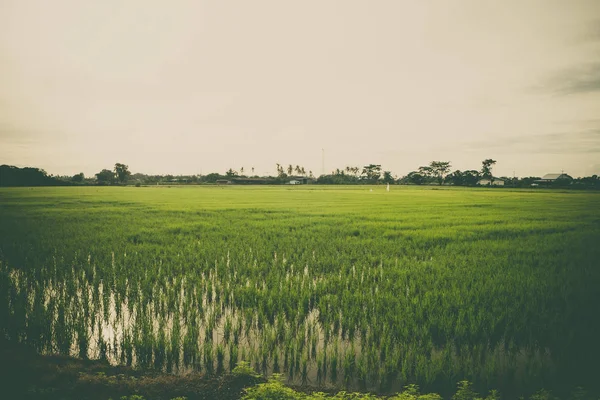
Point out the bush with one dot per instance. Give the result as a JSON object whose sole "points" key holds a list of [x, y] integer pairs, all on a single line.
{"points": [[272, 390], [243, 368]]}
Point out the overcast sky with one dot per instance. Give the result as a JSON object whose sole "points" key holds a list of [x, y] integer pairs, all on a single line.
{"points": [[201, 86]]}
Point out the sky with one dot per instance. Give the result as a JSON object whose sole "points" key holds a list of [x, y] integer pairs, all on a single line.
{"points": [[193, 87]]}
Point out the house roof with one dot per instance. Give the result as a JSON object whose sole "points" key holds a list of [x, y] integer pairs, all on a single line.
{"points": [[555, 176]]}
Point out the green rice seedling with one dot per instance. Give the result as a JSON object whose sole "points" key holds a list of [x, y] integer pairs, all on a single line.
{"points": [[314, 340], [257, 360], [174, 345], [304, 370], [333, 365], [227, 328], [286, 357], [208, 359], [362, 373], [220, 358], [237, 333], [244, 355], [62, 329], [190, 346], [264, 360], [160, 348], [320, 374], [126, 348], [83, 340], [276, 367], [101, 343], [233, 356], [349, 365]]}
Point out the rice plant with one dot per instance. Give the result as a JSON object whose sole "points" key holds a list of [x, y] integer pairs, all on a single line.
{"points": [[363, 292]]}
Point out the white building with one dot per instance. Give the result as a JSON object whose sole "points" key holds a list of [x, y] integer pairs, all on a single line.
{"points": [[488, 182]]}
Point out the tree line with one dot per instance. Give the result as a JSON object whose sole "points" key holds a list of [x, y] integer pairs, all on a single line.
{"points": [[435, 173]]}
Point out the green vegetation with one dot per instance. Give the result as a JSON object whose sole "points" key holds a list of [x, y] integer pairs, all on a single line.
{"points": [[356, 289]]}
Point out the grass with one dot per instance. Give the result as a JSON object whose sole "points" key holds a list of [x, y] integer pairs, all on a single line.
{"points": [[363, 289]]}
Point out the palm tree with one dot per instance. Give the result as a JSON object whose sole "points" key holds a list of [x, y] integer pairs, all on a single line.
{"points": [[290, 169]]}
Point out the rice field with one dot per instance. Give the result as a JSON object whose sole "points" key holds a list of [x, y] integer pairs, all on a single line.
{"points": [[351, 287]]}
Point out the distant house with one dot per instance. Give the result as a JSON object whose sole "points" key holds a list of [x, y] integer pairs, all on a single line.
{"points": [[223, 182], [491, 182], [299, 179], [555, 178], [294, 182]]}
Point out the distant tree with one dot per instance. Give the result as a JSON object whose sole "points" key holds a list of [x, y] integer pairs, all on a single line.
{"points": [[439, 169], [212, 177], [416, 178], [387, 177], [426, 171], [242, 171], [590, 182], [463, 178], [105, 177], [14, 176], [290, 169], [486, 168], [230, 173], [122, 172], [456, 178], [78, 177], [281, 171], [470, 177], [371, 172], [252, 170]]}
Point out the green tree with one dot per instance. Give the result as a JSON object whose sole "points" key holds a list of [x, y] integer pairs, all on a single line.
{"points": [[212, 177], [439, 169], [122, 172], [78, 177], [280, 171], [457, 178], [371, 172], [105, 177], [470, 177], [426, 173], [230, 173], [387, 177], [416, 178], [486, 168]]}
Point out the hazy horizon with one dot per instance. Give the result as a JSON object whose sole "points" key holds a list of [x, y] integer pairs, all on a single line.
{"points": [[203, 86]]}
